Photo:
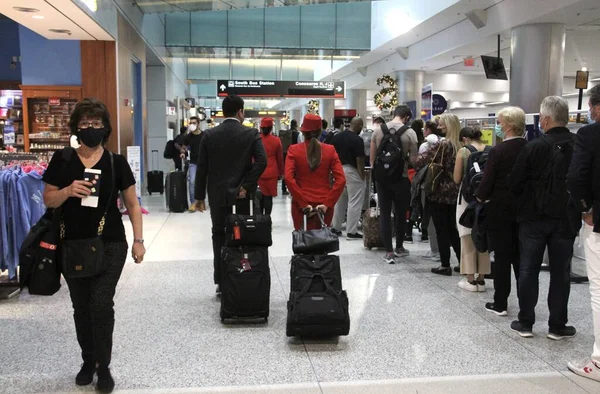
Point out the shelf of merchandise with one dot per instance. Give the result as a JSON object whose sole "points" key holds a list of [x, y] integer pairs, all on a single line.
{"points": [[11, 107]]}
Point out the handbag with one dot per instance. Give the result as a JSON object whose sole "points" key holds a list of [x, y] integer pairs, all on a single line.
{"points": [[434, 172], [84, 258], [319, 241], [248, 230]]}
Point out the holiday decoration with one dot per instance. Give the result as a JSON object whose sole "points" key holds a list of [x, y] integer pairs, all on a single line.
{"points": [[387, 98], [313, 107]]}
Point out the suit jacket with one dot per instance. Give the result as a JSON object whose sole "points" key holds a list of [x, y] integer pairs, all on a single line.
{"points": [[583, 180], [231, 156], [308, 186]]}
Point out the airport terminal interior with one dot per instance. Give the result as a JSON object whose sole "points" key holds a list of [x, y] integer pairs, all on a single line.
{"points": [[168, 67]]}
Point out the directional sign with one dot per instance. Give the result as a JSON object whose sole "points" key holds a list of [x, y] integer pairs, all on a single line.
{"points": [[253, 114], [305, 89]]}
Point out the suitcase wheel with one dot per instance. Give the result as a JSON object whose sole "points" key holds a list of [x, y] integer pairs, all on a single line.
{"points": [[149, 193], [369, 248]]}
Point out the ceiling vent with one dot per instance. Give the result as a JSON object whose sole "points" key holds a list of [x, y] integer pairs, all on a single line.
{"points": [[26, 9], [61, 31]]}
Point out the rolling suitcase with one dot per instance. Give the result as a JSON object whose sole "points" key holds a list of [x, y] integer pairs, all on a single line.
{"points": [[176, 194], [371, 229], [155, 177], [245, 283], [303, 267]]}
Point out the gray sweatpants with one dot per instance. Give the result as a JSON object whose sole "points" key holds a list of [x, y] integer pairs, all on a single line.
{"points": [[350, 202]]}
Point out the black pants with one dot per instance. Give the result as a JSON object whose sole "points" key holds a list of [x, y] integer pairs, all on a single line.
{"points": [[178, 163], [534, 237], [399, 196], [93, 304], [504, 242], [218, 216], [266, 205], [444, 219]]}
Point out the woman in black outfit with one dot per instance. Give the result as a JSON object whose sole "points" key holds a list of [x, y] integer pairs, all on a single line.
{"points": [[92, 297], [501, 207]]}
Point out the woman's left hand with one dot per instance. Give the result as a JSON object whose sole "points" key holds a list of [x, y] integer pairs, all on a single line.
{"points": [[322, 208], [137, 252]]}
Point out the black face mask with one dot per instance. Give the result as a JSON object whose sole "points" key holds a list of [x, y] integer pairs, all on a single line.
{"points": [[91, 137]]}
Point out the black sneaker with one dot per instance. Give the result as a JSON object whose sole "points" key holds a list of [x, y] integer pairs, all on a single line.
{"points": [[424, 238], [492, 308], [218, 291], [336, 232], [408, 239], [106, 383], [446, 271], [457, 269], [86, 374], [353, 237], [521, 329], [561, 333], [285, 193]]}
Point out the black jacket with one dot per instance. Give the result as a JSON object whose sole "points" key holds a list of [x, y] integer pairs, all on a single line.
{"points": [[583, 180], [231, 156], [529, 169]]}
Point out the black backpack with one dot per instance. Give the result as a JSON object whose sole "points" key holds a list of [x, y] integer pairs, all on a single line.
{"points": [[474, 172], [391, 158], [329, 137], [170, 150], [550, 191]]}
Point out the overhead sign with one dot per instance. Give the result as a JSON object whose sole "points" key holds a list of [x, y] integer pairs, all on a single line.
{"points": [[305, 89], [440, 105], [581, 81], [344, 113], [54, 101], [253, 114]]}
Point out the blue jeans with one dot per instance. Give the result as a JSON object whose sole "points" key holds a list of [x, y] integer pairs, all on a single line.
{"points": [[534, 237], [192, 181]]}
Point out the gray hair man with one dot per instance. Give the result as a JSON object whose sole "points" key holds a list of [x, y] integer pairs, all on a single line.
{"points": [[351, 150], [538, 180]]}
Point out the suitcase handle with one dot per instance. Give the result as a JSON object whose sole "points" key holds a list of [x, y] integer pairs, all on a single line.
{"points": [[155, 167], [250, 201], [321, 216]]}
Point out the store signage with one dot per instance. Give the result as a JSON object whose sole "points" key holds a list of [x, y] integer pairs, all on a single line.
{"points": [[253, 114], [581, 80], [440, 105], [426, 102], [54, 101], [469, 62], [171, 111], [344, 113], [306, 89]]}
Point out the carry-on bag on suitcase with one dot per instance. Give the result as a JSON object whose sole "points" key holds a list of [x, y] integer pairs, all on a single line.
{"points": [[245, 283], [303, 267], [248, 230], [155, 177], [319, 241], [176, 191], [371, 228], [318, 310]]}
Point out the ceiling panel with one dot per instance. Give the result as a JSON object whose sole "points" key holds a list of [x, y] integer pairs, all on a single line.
{"points": [[163, 6]]}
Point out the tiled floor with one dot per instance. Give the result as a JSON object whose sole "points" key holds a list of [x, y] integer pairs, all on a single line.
{"points": [[411, 331]]}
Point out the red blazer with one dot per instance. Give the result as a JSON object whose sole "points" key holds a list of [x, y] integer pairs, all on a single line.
{"points": [[274, 152], [308, 187]]}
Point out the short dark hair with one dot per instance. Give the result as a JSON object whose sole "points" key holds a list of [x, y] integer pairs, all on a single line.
{"points": [[182, 129], [324, 124], [197, 119], [595, 95], [232, 104], [472, 133], [91, 108], [338, 122], [379, 120], [432, 127], [402, 111], [294, 124]]}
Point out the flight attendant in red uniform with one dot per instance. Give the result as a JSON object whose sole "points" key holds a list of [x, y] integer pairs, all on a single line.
{"points": [[307, 175], [269, 178]]}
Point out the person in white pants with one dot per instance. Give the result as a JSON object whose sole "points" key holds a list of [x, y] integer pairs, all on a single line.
{"points": [[583, 182], [351, 150]]}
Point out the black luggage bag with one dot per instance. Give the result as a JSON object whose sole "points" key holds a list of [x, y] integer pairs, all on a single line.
{"points": [[303, 267], [248, 230], [155, 177], [245, 283], [176, 195]]}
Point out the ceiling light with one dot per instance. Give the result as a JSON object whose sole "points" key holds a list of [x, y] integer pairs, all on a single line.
{"points": [[25, 9], [38, 17], [584, 69], [61, 31]]}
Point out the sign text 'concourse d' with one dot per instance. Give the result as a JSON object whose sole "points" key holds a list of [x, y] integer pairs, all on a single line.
{"points": [[305, 89]]}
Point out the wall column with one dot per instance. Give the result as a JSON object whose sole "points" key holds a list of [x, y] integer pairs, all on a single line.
{"points": [[410, 85], [357, 99], [326, 109]]}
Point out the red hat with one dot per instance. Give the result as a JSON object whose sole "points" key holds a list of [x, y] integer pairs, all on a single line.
{"points": [[311, 122], [266, 122]]}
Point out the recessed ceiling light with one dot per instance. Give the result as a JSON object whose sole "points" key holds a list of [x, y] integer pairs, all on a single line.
{"points": [[38, 17], [25, 9], [61, 31]]}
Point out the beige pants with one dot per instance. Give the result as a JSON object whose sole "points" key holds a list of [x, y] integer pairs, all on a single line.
{"points": [[471, 261]]}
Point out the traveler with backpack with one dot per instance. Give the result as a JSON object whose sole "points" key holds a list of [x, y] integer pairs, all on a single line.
{"points": [[338, 124], [173, 149], [538, 180], [501, 206], [468, 172], [393, 147], [442, 191]]}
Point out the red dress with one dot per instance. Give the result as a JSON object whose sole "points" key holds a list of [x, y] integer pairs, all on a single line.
{"points": [[313, 187], [269, 178]]}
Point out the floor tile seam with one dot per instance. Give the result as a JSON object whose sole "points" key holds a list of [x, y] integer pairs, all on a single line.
{"points": [[570, 375], [274, 267], [312, 366], [518, 340]]}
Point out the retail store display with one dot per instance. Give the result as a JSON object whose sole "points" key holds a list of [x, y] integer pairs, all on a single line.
{"points": [[11, 119]]}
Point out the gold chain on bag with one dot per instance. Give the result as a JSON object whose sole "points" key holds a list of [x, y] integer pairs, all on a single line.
{"points": [[100, 227]]}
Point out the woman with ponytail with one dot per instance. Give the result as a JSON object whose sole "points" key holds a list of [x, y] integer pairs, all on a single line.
{"points": [[269, 178], [307, 175]]}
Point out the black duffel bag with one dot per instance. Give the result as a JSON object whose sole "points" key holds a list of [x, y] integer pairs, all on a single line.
{"points": [[319, 241], [248, 230]]}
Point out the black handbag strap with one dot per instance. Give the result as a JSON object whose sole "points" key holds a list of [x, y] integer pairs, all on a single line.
{"points": [[307, 286]]}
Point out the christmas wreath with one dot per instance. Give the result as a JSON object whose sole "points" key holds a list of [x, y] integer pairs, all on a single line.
{"points": [[387, 98], [313, 107]]}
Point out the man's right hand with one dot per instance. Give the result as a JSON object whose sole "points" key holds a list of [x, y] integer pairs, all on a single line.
{"points": [[588, 218], [182, 155], [79, 189]]}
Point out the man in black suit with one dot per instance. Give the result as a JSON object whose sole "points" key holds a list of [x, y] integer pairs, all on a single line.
{"points": [[583, 183], [232, 159]]}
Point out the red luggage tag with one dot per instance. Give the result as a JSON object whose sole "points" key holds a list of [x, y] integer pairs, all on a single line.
{"points": [[237, 235], [246, 263]]}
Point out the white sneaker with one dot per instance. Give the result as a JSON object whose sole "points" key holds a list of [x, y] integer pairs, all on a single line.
{"points": [[465, 285], [432, 257], [586, 368], [481, 287]]}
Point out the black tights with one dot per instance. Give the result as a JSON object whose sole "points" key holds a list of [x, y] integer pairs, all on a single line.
{"points": [[266, 205]]}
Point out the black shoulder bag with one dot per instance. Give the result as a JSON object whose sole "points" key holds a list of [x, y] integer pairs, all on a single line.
{"points": [[84, 258]]}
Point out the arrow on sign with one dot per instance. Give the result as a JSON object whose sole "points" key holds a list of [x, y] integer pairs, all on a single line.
{"points": [[222, 87], [339, 89]]}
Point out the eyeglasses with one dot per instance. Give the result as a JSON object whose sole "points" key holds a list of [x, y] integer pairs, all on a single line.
{"points": [[84, 124]]}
